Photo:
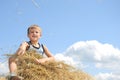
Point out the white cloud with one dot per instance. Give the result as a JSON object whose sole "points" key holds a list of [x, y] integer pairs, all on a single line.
{"points": [[68, 60], [97, 57], [4, 67], [107, 76], [95, 52]]}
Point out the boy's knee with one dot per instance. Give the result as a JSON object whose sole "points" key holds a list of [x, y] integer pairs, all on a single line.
{"points": [[11, 59]]}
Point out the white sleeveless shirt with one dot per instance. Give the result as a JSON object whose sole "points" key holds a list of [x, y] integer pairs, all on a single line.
{"points": [[39, 49]]}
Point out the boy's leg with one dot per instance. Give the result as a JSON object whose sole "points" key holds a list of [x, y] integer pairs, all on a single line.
{"points": [[12, 66]]}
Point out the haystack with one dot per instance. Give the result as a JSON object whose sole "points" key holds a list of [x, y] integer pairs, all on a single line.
{"points": [[29, 70]]}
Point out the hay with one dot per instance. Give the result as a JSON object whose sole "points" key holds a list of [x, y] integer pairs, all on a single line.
{"points": [[29, 70], [2, 78]]}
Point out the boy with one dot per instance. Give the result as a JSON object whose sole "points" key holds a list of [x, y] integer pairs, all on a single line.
{"points": [[34, 34]]}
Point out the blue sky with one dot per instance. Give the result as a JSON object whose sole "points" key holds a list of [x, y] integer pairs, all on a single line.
{"points": [[64, 23]]}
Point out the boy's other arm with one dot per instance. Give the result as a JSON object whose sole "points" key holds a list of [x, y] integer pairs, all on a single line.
{"points": [[48, 54], [49, 57]]}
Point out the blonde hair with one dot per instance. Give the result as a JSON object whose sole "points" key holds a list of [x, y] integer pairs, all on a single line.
{"points": [[34, 26]]}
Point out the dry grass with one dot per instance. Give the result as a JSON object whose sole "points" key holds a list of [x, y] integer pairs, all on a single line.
{"points": [[29, 70], [2, 78]]}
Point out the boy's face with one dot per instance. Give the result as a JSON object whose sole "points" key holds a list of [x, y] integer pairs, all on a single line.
{"points": [[34, 34]]}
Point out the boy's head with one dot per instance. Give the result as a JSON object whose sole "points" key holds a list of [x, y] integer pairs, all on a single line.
{"points": [[34, 27], [34, 32]]}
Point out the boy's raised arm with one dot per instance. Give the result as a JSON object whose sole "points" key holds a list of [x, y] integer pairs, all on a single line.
{"points": [[21, 50]]}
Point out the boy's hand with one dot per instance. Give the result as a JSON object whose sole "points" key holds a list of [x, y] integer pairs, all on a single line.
{"points": [[20, 51], [40, 61]]}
